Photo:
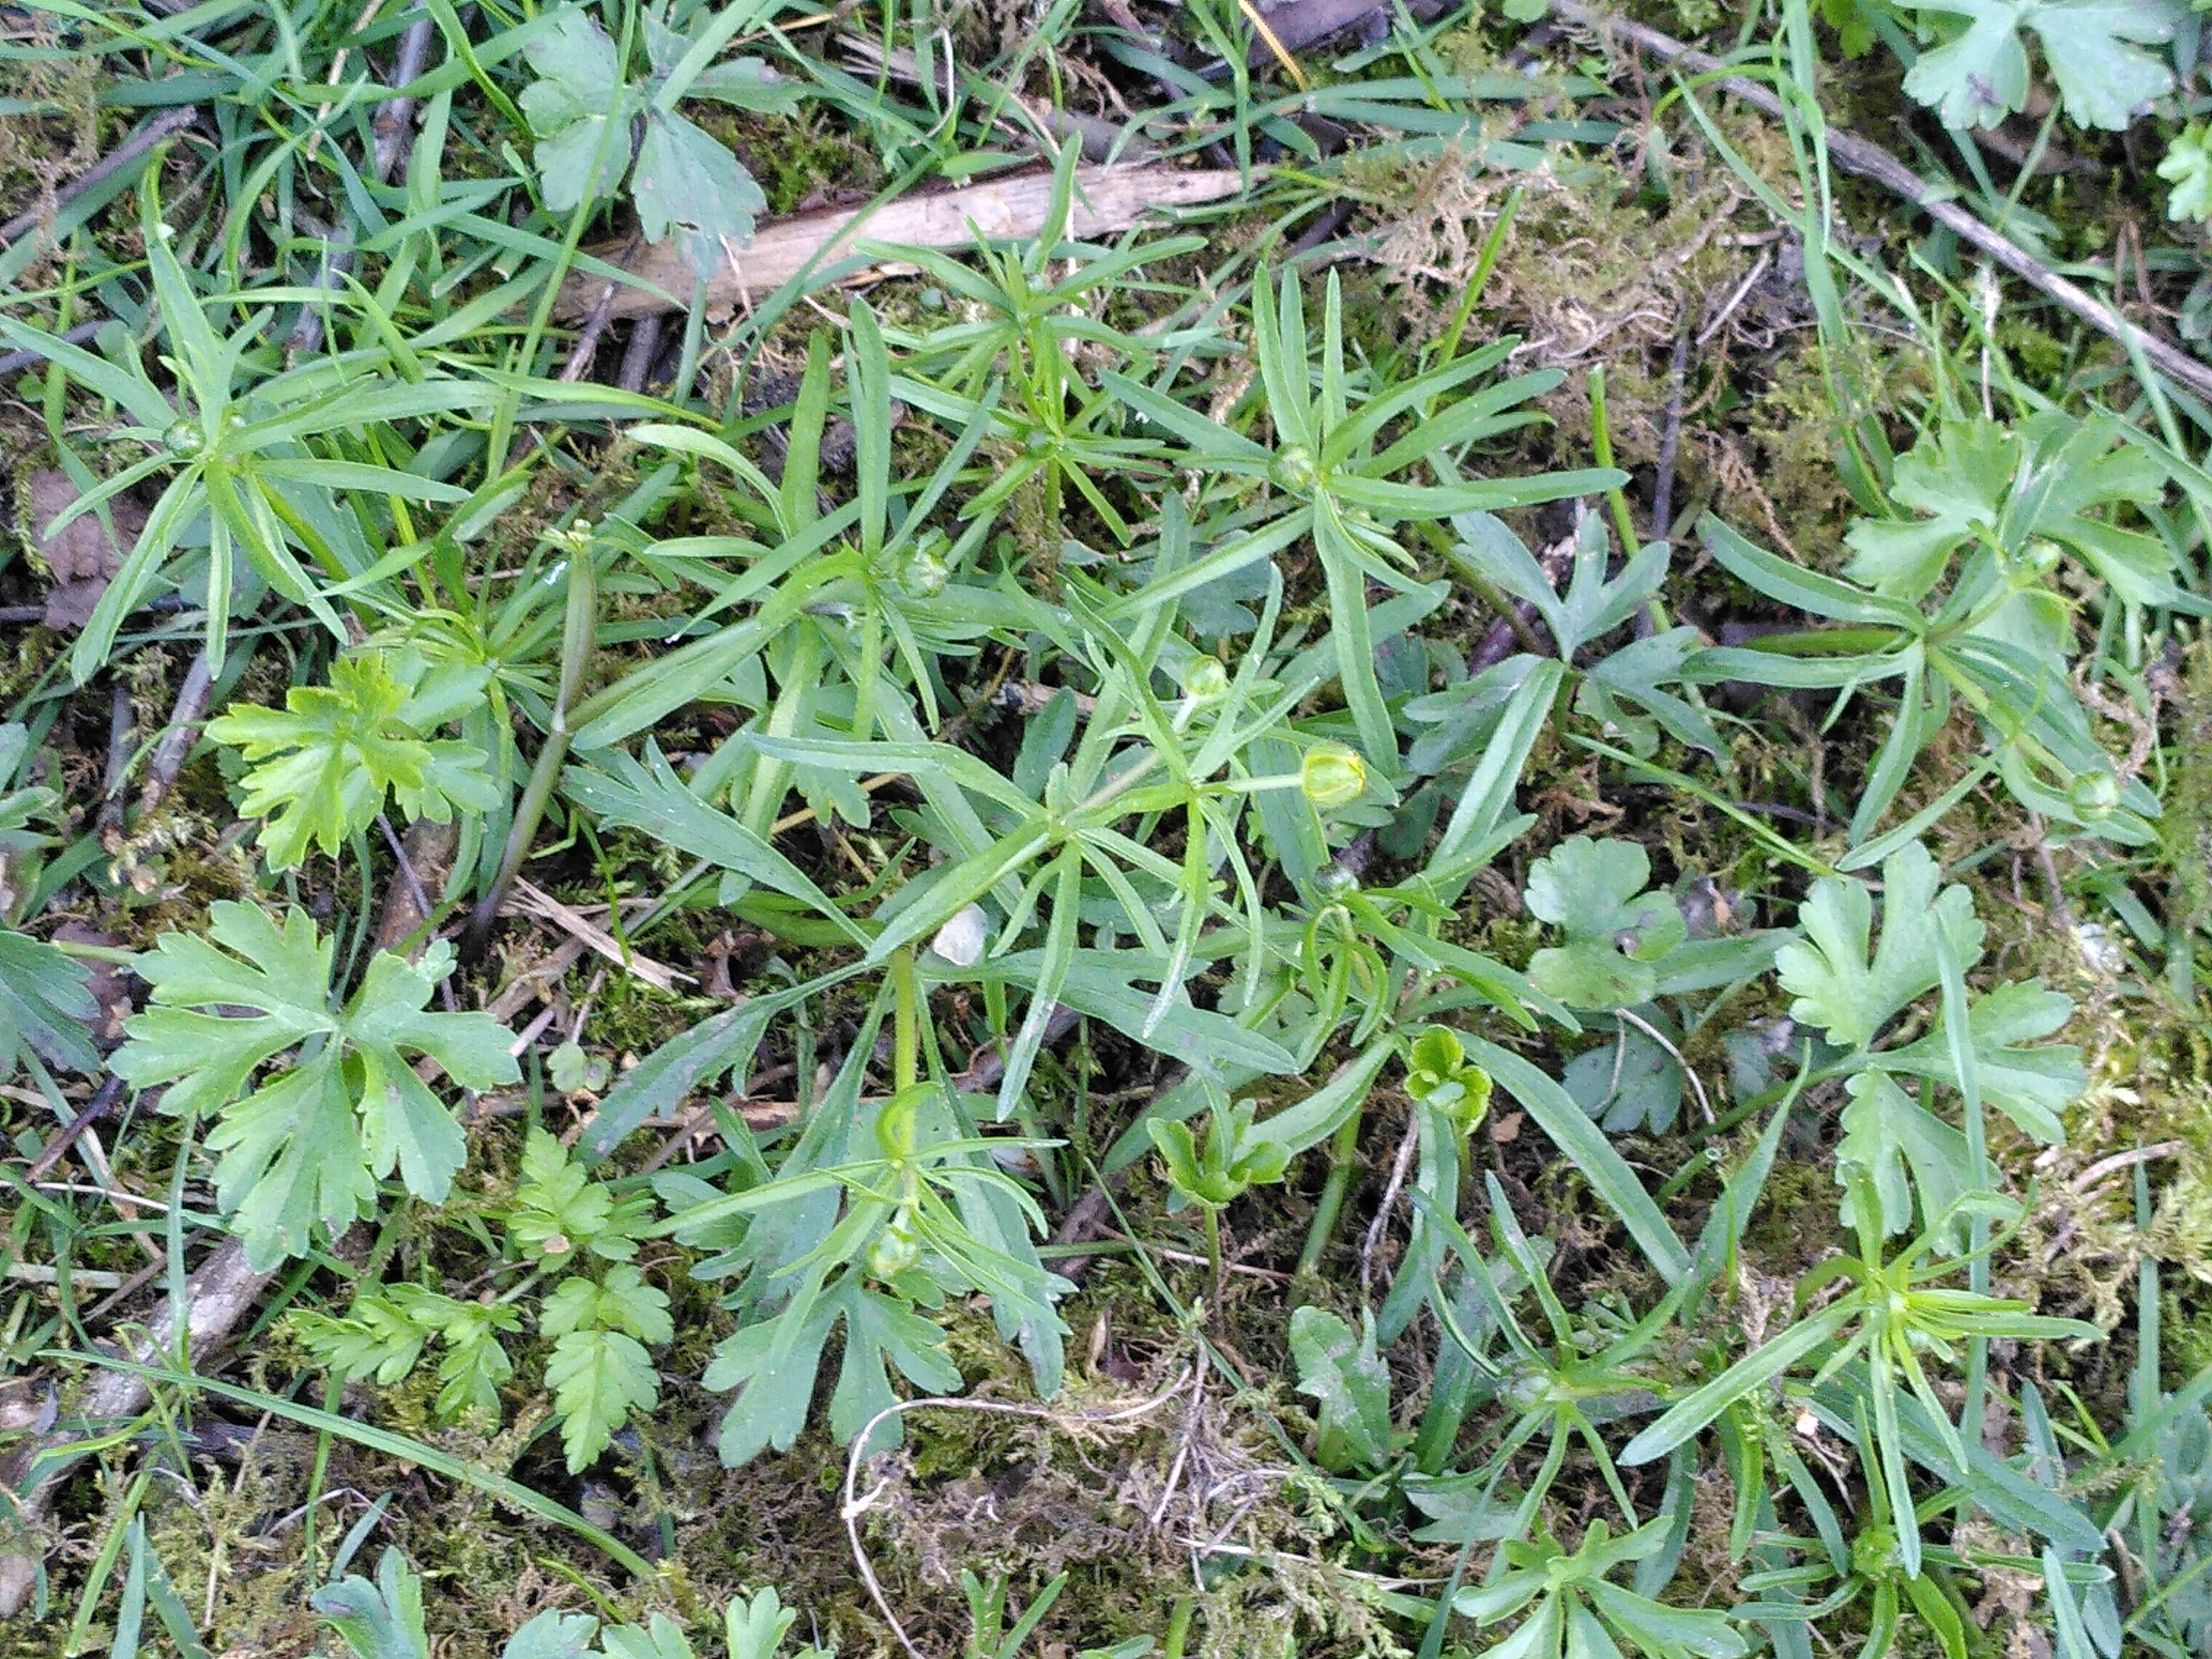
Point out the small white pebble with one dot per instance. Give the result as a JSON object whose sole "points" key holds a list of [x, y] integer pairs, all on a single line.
{"points": [[960, 941]]}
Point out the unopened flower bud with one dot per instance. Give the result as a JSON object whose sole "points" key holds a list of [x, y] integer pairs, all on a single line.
{"points": [[1332, 775]]}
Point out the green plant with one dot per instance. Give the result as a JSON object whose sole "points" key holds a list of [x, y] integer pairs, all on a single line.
{"points": [[1331, 484], [45, 1007], [278, 463], [1993, 512], [1894, 1319], [1975, 71], [384, 1619], [1350, 1387], [577, 1240], [307, 1143], [1987, 1049], [319, 771], [884, 1206], [1573, 1609], [591, 123]]}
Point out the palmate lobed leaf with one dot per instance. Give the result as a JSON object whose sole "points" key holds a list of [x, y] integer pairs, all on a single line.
{"points": [[309, 1145], [2051, 477], [321, 767], [772, 1366], [1903, 1150], [1837, 987], [1347, 1379], [1593, 891], [1979, 74], [688, 183]]}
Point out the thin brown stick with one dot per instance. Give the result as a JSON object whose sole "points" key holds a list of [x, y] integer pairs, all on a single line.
{"points": [[216, 1298], [101, 1104], [108, 825], [1863, 159], [161, 127], [637, 355], [586, 346], [178, 737]]}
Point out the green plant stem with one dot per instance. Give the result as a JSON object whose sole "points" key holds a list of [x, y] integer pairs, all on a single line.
{"points": [[1213, 1256], [578, 630], [1178, 1628], [1344, 1151], [1601, 447], [906, 1022]]}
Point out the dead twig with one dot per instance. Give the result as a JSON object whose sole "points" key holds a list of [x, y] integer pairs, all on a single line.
{"points": [[217, 1297], [1670, 440], [179, 735], [1007, 208], [101, 1104]]}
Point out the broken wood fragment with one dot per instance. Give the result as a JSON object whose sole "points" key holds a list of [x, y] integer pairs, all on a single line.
{"points": [[1008, 208]]}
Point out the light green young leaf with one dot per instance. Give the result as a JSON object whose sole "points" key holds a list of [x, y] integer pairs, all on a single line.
{"points": [[623, 1302], [1957, 478], [1902, 1149], [321, 768], [1614, 930], [1837, 988], [2187, 166], [380, 1337], [2047, 484], [1978, 74], [559, 1209], [598, 1378], [475, 1362]]}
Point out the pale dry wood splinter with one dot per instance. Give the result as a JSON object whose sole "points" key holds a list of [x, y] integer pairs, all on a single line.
{"points": [[1009, 207]]}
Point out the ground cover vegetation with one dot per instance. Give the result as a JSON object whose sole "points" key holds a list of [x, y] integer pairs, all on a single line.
{"points": [[1098, 829]]}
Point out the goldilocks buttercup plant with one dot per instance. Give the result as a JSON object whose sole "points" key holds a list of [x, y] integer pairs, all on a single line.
{"points": [[1895, 1318], [320, 769], [1571, 1609], [882, 1208], [277, 463], [314, 1100], [1335, 472], [1963, 598]]}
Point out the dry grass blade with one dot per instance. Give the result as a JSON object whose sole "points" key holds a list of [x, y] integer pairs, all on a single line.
{"points": [[533, 901]]}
